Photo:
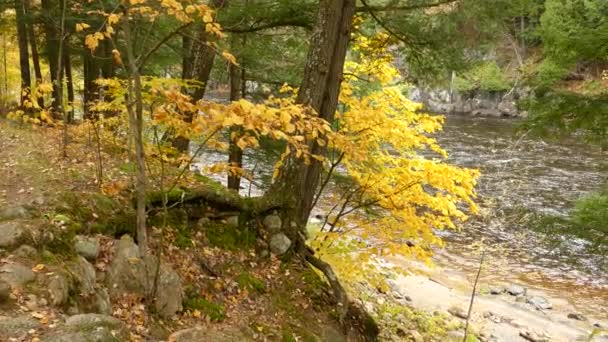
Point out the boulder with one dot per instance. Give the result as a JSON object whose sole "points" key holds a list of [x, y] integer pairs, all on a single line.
{"points": [[169, 292], [130, 273], [16, 327], [232, 221], [59, 289], [272, 223], [83, 274], [11, 234], [533, 336], [279, 244], [26, 252], [496, 290], [540, 303], [458, 312], [5, 291], [577, 316], [516, 290], [197, 334], [127, 271], [16, 275], [415, 336], [90, 328], [87, 246], [12, 213]]}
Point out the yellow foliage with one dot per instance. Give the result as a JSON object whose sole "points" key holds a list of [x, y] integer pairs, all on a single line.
{"points": [[406, 194], [82, 26]]}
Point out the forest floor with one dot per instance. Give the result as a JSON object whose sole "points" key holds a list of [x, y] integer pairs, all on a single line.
{"points": [[233, 293]]}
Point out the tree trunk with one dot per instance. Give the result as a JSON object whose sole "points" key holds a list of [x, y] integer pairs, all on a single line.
{"points": [[296, 186], [69, 83], [35, 57], [136, 121], [197, 66], [5, 74], [319, 90], [235, 156], [90, 74], [4, 64], [24, 56], [52, 50]]}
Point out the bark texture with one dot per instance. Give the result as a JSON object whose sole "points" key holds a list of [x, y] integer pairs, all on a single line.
{"points": [[320, 88], [24, 56]]}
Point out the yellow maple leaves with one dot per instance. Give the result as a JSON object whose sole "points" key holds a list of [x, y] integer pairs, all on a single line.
{"points": [[82, 26], [397, 171]]}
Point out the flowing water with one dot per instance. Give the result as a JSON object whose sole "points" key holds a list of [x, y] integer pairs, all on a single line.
{"points": [[523, 175], [520, 175]]}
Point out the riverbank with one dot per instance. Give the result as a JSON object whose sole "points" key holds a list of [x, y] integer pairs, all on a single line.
{"points": [[71, 271], [501, 311]]}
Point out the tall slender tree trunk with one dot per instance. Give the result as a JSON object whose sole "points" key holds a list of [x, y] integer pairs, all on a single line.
{"points": [[136, 122], [69, 83], [4, 69], [89, 77], [52, 51], [235, 155], [24, 56], [35, 57]]}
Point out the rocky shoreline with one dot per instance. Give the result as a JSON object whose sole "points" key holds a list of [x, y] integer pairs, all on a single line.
{"points": [[479, 103], [501, 312]]}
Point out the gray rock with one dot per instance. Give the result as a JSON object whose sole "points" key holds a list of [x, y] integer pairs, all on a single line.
{"points": [[11, 234], [16, 275], [26, 252], [208, 334], [90, 328], [169, 293], [59, 289], [101, 303], [534, 336], [232, 221], [204, 221], [84, 275], [455, 335], [87, 246], [279, 244], [516, 290], [5, 291], [540, 303], [12, 213], [85, 321], [415, 336], [129, 273], [16, 326], [458, 312], [577, 316], [496, 290], [492, 317], [272, 223]]}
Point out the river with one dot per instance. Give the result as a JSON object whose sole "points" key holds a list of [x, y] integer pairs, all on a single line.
{"points": [[521, 175]]}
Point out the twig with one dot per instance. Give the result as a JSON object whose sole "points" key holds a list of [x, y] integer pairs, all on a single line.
{"points": [[466, 327]]}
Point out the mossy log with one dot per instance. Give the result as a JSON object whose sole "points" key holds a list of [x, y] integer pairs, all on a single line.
{"points": [[215, 196]]}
